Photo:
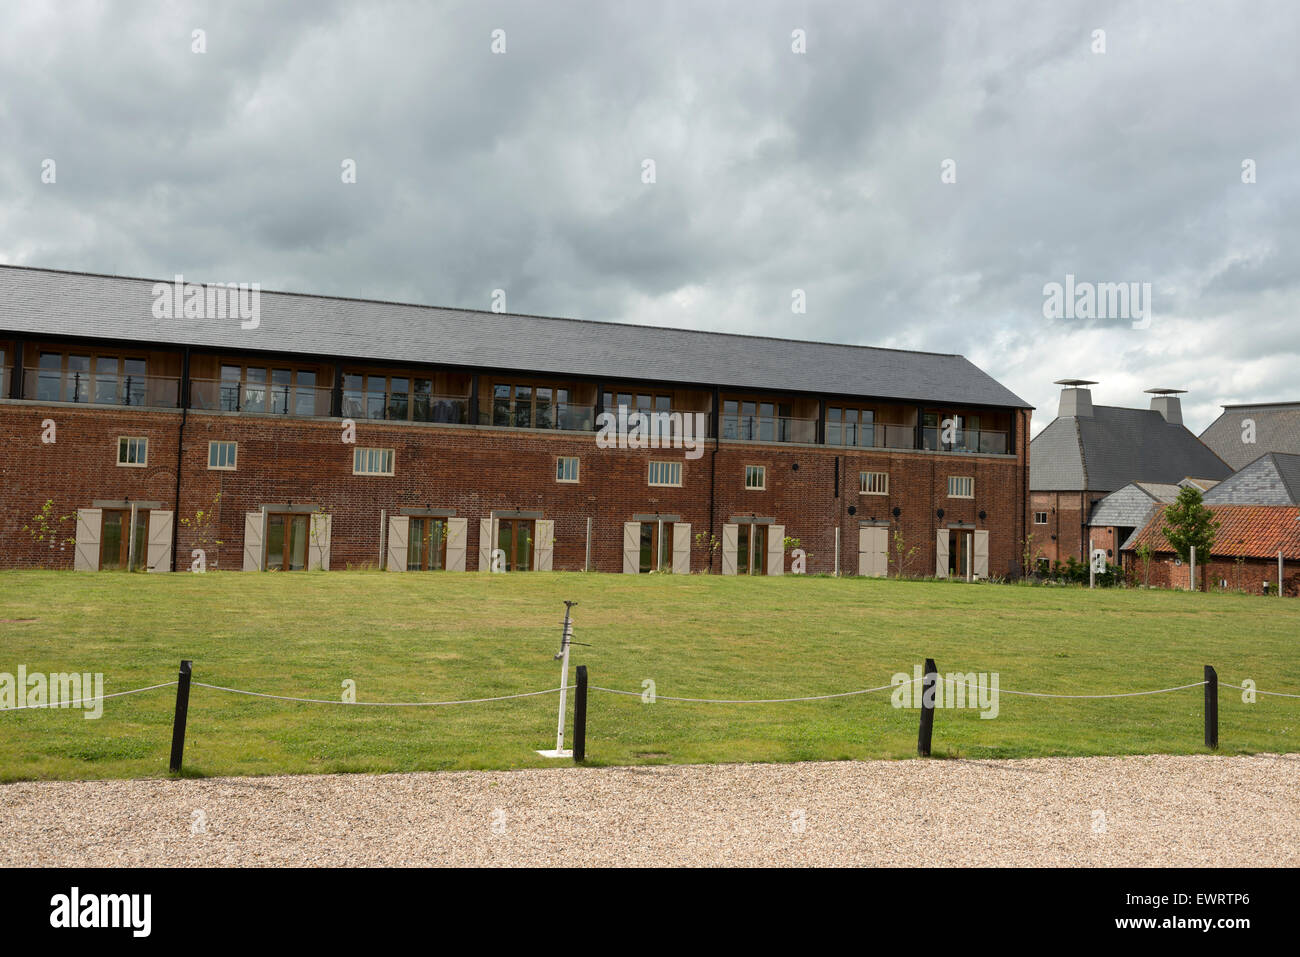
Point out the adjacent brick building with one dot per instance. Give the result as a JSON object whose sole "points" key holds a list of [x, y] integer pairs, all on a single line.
{"points": [[332, 433]]}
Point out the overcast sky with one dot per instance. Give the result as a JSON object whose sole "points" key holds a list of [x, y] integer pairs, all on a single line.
{"points": [[775, 170]]}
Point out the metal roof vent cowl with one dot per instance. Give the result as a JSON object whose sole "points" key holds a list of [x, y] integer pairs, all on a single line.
{"points": [[1166, 402]]}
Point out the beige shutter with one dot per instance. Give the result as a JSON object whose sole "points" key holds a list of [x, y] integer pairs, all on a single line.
{"points": [[880, 552], [941, 554], [159, 554], [729, 548], [318, 542], [253, 557], [457, 530], [485, 544], [631, 548], [85, 555], [981, 553], [776, 550], [399, 536], [864, 551], [543, 544], [681, 548]]}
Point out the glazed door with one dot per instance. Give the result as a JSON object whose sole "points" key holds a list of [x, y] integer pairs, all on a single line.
{"points": [[115, 545], [286, 542], [515, 538], [427, 546]]}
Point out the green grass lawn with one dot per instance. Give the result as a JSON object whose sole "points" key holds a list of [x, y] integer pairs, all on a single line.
{"points": [[434, 636]]}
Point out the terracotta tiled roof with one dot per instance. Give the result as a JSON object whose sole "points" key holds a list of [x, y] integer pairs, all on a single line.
{"points": [[1246, 531]]}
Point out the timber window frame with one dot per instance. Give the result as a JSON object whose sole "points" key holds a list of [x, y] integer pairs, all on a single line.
{"points": [[873, 483], [664, 474], [373, 461], [133, 451], [756, 478], [268, 388], [223, 456], [567, 469], [1040, 518], [961, 486]]}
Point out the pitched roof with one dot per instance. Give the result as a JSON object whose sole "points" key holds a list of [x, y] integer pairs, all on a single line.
{"points": [[1113, 446], [1130, 506], [50, 302], [1271, 479], [1276, 429], [1245, 531]]}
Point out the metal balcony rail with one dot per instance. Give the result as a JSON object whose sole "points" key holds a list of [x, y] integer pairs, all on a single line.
{"points": [[966, 440], [226, 395], [565, 416], [410, 406], [101, 388]]}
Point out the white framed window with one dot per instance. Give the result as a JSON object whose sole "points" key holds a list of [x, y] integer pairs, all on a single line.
{"points": [[1040, 518], [873, 483], [133, 450], [665, 473], [221, 456], [961, 486], [756, 477], [372, 461], [566, 468]]}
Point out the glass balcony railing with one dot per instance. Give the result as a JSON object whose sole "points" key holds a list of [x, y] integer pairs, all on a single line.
{"points": [[672, 427], [142, 391], [218, 395], [406, 406], [519, 415], [879, 435], [769, 428], [983, 441]]}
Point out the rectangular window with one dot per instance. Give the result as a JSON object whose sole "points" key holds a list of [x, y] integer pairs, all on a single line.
{"points": [[372, 461], [665, 473], [756, 477], [566, 468], [1040, 518], [221, 455], [961, 486], [873, 483], [133, 450]]}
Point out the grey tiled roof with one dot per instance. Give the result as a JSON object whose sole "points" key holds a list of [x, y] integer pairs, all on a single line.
{"points": [[1115, 446], [1131, 505], [1277, 429], [1272, 479], [50, 302]]}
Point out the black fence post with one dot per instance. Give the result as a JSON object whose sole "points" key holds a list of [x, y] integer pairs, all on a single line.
{"points": [[1211, 707], [928, 687], [182, 711], [580, 717]]}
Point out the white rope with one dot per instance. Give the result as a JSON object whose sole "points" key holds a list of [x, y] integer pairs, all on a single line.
{"points": [[375, 704], [820, 697], [1122, 694], [1276, 694], [70, 704]]}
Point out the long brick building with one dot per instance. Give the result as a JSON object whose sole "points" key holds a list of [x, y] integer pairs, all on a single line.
{"points": [[164, 429]]}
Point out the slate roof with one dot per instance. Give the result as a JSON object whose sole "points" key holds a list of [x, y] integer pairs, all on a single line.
{"points": [[1272, 479], [1130, 506], [1105, 451], [1245, 531], [1277, 429], [51, 302]]}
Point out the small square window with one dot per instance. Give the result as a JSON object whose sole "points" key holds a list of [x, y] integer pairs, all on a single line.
{"points": [[221, 456], [756, 477], [665, 473], [873, 483], [566, 468], [961, 486], [372, 461], [1040, 518], [133, 451]]}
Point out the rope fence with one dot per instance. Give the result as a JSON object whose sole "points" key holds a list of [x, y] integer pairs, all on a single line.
{"points": [[930, 679]]}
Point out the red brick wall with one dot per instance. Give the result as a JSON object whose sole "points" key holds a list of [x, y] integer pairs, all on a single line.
{"points": [[475, 471], [1249, 576]]}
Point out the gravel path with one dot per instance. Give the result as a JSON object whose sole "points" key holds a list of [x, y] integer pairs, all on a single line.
{"points": [[1159, 810]]}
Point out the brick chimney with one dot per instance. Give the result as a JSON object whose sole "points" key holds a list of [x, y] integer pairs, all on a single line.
{"points": [[1076, 398], [1166, 402]]}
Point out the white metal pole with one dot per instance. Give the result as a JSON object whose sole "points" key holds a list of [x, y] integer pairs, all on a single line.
{"points": [[1092, 566], [1191, 569], [564, 688], [1279, 573], [837, 551], [586, 567]]}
